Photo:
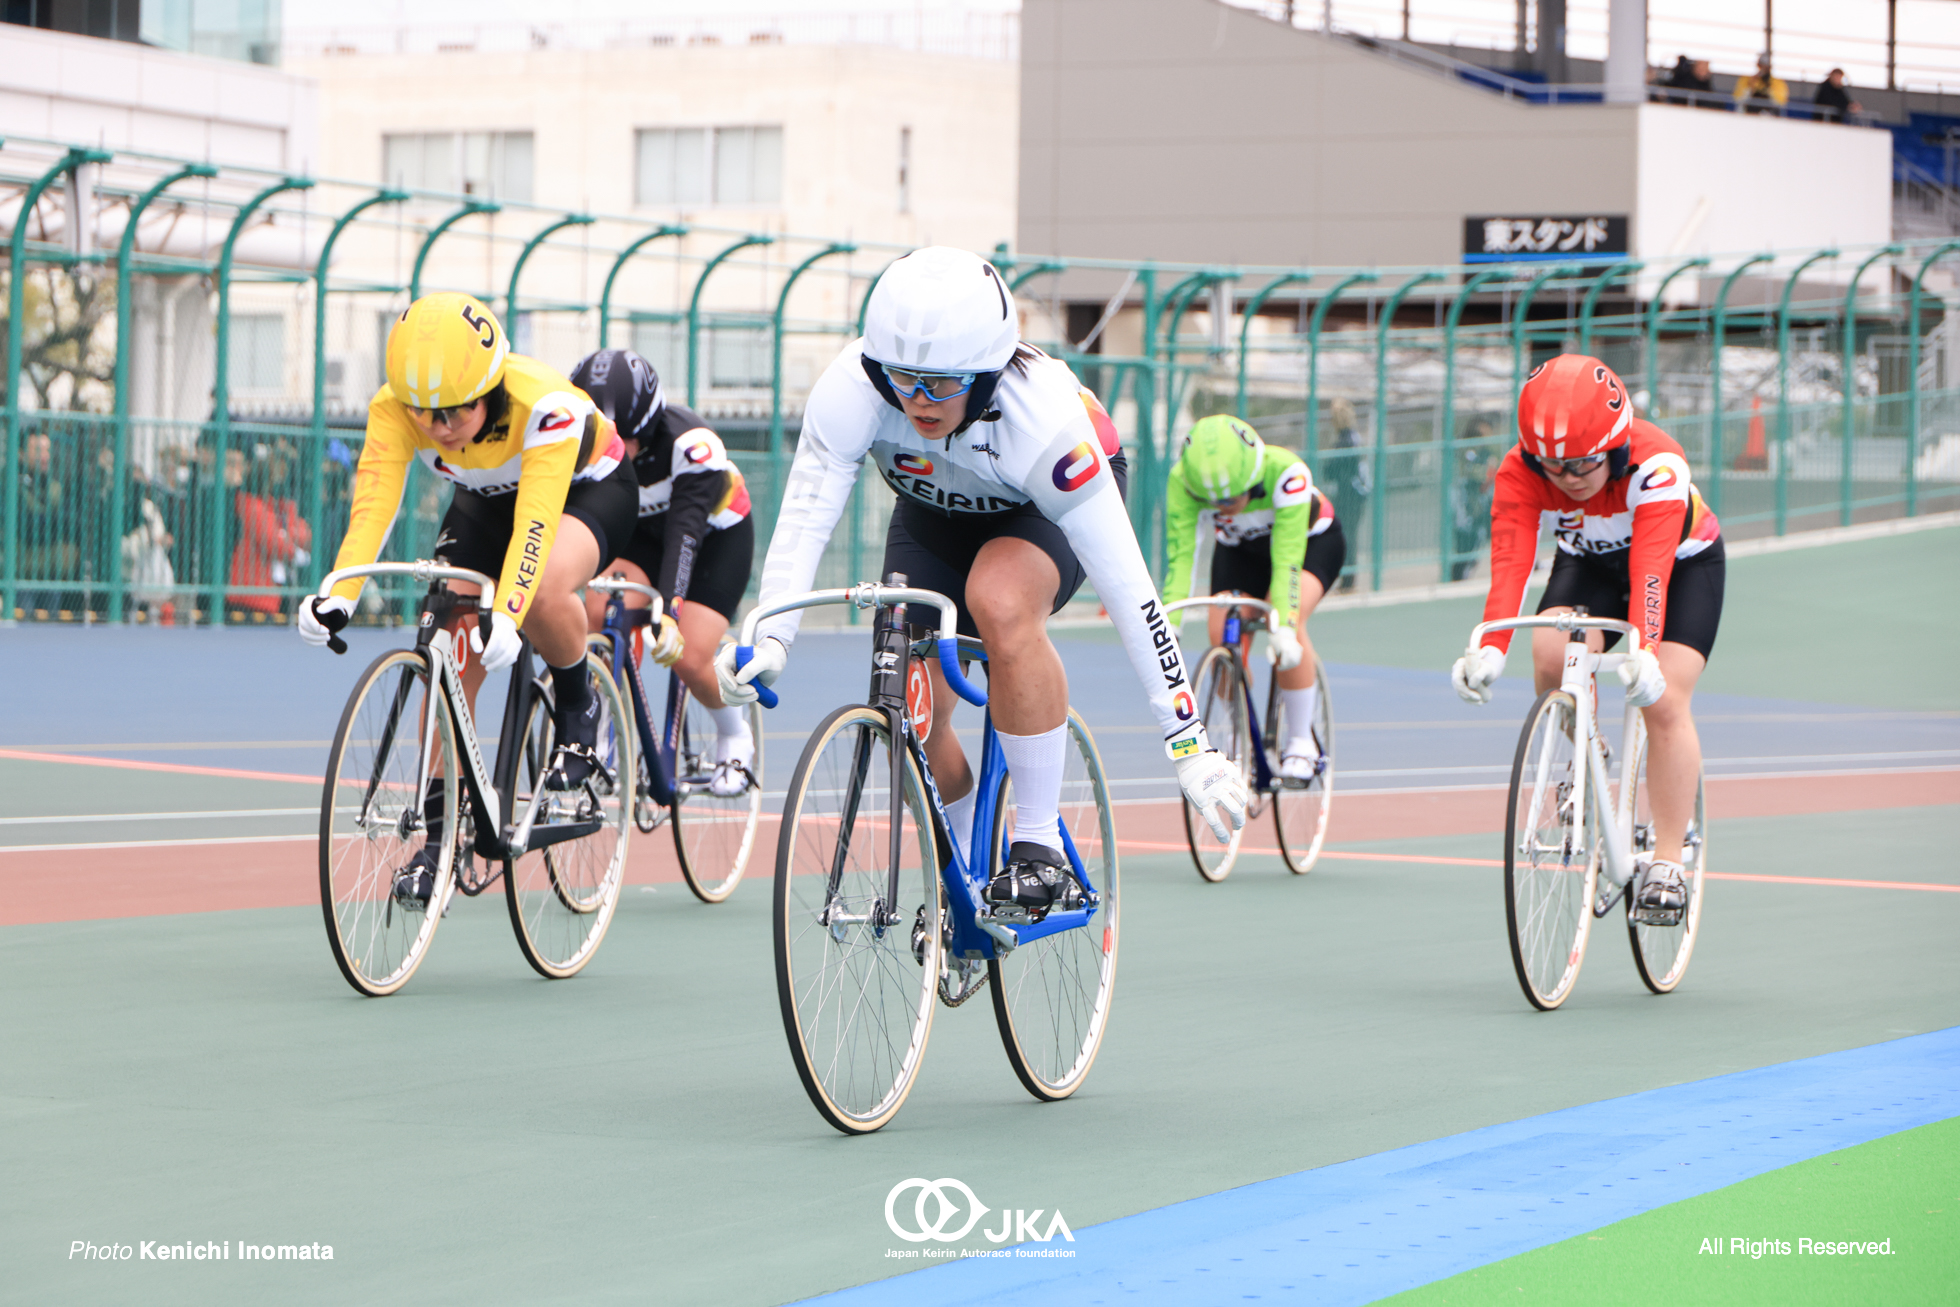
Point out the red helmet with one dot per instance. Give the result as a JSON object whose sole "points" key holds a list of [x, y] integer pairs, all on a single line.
{"points": [[1572, 406]]}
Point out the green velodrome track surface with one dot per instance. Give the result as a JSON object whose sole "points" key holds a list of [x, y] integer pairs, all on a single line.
{"points": [[638, 1135], [1743, 1245]]}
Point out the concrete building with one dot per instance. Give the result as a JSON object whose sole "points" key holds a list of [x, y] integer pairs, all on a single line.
{"points": [[1193, 130]]}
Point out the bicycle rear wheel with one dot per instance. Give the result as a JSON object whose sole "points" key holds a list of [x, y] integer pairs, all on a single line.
{"points": [[372, 823], [713, 836], [562, 895], [1549, 865], [1220, 686], [1301, 808], [1661, 953], [856, 974], [1052, 995]]}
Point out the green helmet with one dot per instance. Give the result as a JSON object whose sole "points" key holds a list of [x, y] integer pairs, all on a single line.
{"points": [[1222, 459]]}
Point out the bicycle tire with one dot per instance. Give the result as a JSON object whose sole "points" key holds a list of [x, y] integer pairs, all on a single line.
{"points": [[1661, 953], [857, 996], [1052, 995], [1549, 877], [1219, 684], [562, 896], [375, 941], [1300, 811], [713, 837]]}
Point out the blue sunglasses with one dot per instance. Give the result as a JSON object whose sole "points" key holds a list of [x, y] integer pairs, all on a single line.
{"points": [[937, 386]]}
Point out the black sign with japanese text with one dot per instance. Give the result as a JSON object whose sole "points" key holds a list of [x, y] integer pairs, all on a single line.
{"points": [[1522, 238]]}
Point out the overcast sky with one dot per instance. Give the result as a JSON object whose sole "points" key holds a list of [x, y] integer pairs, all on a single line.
{"points": [[1812, 35]]}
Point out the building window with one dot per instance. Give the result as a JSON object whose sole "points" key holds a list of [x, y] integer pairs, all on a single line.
{"points": [[905, 170], [709, 165], [664, 344], [258, 352], [496, 165], [738, 358]]}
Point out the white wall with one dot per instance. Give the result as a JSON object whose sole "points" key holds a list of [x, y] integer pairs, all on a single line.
{"points": [[1725, 183], [85, 90]]}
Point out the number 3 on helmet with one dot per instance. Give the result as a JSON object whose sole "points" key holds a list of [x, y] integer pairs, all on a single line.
{"points": [[445, 350], [1572, 406]]}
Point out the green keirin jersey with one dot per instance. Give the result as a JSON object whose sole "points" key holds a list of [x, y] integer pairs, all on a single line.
{"points": [[1282, 504]]}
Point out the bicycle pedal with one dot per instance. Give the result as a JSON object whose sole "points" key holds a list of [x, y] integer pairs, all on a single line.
{"points": [[1666, 917]]}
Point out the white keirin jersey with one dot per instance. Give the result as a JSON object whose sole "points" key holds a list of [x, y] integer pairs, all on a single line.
{"points": [[1050, 447]]}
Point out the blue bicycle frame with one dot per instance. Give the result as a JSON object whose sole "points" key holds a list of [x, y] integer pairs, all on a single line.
{"points": [[975, 934], [660, 751], [1263, 776]]}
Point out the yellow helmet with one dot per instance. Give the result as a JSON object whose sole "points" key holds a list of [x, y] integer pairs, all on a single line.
{"points": [[445, 350]]}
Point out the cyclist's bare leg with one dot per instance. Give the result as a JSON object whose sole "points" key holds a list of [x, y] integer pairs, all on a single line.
{"points": [[556, 622], [1548, 652], [595, 600], [1010, 591], [1311, 591], [950, 770], [1673, 748], [701, 628]]}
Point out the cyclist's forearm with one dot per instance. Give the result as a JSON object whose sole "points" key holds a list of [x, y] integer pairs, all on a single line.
{"points": [[813, 501]]}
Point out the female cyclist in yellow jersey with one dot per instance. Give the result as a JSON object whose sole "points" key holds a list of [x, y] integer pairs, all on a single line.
{"points": [[544, 495]]}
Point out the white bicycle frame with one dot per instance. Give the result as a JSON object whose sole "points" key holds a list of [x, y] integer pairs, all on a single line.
{"points": [[449, 676], [1581, 667]]}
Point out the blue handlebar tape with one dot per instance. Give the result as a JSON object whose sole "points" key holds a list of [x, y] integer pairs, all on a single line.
{"points": [[743, 653], [949, 663]]}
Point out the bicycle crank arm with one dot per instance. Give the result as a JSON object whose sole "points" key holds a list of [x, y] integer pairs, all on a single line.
{"points": [[559, 832]]}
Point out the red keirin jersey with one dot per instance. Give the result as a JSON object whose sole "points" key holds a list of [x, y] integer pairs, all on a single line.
{"points": [[1648, 517]]}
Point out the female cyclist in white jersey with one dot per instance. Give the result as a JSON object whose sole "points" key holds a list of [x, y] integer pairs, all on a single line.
{"points": [[1006, 471]]}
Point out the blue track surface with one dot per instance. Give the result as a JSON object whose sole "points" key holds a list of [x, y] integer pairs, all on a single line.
{"points": [[1362, 1230]]}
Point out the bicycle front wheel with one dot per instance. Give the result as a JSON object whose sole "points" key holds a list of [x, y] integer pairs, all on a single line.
{"points": [[714, 835], [562, 893], [857, 968], [1052, 995], [1661, 953], [1550, 862], [1220, 687], [372, 822], [1301, 808]]}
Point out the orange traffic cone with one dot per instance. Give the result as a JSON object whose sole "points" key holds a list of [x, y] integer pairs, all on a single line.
{"points": [[1755, 454]]}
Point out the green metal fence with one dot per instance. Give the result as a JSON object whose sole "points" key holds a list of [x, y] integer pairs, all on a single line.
{"points": [[186, 389]]}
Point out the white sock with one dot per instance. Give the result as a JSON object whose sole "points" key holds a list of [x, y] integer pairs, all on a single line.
{"points": [[1301, 708], [733, 741], [959, 821], [1035, 763]]}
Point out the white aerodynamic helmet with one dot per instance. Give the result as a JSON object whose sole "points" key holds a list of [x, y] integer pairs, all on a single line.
{"points": [[941, 310]]}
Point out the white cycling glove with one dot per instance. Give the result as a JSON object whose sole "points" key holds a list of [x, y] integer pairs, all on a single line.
{"points": [[667, 643], [503, 646], [763, 668], [1211, 781], [319, 619], [1476, 672], [1284, 646], [1641, 674]]}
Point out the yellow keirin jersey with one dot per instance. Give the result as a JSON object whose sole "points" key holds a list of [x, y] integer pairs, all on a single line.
{"points": [[550, 435]]}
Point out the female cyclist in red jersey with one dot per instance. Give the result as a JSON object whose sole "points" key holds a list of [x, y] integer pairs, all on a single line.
{"points": [[1634, 536]]}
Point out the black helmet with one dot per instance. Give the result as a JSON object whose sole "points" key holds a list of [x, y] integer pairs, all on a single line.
{"points": [[624, 386]]}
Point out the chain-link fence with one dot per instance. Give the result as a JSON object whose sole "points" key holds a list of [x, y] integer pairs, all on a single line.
{"points": [[190, 352]]}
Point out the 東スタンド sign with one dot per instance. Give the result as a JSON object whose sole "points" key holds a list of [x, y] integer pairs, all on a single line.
{"points": [[1586, 238]]}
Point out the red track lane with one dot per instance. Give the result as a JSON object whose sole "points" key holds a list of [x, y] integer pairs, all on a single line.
{"points": [[155, 880]]}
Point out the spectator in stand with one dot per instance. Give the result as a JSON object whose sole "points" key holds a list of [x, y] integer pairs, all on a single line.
{"points": [[1689, 75], [1762, 91], [1470, 498], [1832, 105], [272, 538], [46, 505]]}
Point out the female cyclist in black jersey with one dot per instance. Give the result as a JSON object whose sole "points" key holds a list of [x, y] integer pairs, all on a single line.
{"points": [[694, 543]]}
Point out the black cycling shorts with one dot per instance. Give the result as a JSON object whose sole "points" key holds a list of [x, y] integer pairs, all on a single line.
{"points": [[477, 528], [1603, 587], [936, 550], [1248, 567], [721, 569]]}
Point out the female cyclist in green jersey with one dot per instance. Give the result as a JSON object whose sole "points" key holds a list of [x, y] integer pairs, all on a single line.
{"points": [[1276, 538]]}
